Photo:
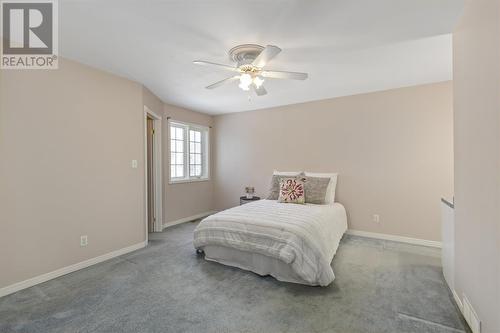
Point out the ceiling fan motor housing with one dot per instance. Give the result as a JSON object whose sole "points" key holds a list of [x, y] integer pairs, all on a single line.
{"points": [[245, 54]]}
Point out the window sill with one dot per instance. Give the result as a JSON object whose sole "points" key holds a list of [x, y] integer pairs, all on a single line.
{"points": [[182, 181]]}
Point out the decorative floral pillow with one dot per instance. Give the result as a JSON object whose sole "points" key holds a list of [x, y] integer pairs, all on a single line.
{"points": [[274, 190], [292, 190]]}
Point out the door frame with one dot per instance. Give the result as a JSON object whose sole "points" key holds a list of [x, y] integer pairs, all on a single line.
{"points": [[157, 169]]}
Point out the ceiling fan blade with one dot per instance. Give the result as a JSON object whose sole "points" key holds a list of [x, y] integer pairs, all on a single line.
{"points": [[213, 64], [269, 52], [221, 82], [284, 75], [260, 91]]}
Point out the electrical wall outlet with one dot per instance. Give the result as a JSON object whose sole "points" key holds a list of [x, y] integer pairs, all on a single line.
{"points": [[84, 240], [134, 164], [376, 218]]}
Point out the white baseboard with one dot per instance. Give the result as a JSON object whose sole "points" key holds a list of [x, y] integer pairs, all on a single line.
{"points": [[401, 239], [68, 269], [188, 219], [458, 300]]}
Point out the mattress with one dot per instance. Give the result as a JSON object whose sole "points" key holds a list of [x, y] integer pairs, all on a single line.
{"points": [[291, 242]]}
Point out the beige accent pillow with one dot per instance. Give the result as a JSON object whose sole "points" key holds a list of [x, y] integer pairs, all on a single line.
{"points": [[316, 189], [330, 191], [292, 190]]}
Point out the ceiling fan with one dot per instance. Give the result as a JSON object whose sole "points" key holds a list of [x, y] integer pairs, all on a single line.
{"points": [[250, 61]]}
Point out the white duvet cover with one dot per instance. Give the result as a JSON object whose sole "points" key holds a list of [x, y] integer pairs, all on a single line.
{"points": [[304, 236]]}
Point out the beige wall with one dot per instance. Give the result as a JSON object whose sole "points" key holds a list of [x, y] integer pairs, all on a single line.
{"points": [[392, 149], [476, 72], [152, 102], [182, 200], [67, 138]]}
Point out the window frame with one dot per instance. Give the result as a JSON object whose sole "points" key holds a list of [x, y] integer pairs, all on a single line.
{"points": [[205, 150]]}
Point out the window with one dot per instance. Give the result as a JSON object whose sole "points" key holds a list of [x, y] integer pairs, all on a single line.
{"points": [[195, 155], [177, 152], [188, 152]]}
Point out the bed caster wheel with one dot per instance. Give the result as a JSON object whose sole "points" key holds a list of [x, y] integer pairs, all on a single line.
{"points": [[199, 252]]}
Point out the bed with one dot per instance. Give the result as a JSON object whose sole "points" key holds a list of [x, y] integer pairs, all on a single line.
{"points": [[291, 242]]}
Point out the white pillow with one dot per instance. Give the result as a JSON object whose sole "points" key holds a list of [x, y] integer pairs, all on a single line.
{"points": [[287, 173], [330, 190]]}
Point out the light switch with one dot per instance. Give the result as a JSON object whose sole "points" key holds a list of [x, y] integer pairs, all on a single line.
{"points": [[134, 164]]}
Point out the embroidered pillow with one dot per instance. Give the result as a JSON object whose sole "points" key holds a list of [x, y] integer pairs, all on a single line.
{"points": [[292, 190], [274, 188]]}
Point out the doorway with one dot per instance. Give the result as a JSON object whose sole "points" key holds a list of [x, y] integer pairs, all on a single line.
{"points": [[150, 132], [153, 168]]}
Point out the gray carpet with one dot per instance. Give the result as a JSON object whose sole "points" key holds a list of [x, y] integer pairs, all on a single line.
{"points": [[380, 286]]}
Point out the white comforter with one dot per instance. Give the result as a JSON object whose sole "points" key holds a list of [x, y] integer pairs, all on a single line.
{"points": [[304, 236]]}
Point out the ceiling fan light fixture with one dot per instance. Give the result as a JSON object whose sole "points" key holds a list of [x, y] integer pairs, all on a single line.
{"points": [[258, 81], [245, 81], [244, 87]]}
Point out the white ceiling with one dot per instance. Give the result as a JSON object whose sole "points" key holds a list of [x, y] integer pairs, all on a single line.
{"points": [[346, 46]]}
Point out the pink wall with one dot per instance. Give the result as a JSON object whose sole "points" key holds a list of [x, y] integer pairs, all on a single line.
{"points": [[180, 200], [476, 72], [67, 139], [393, 151]]}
